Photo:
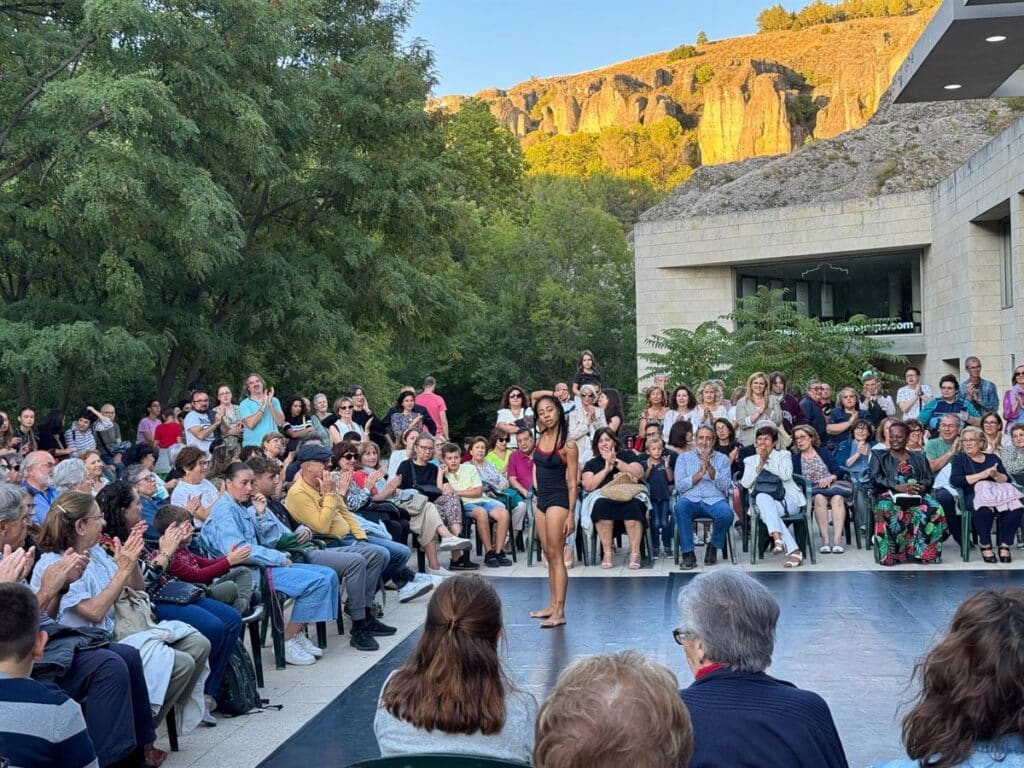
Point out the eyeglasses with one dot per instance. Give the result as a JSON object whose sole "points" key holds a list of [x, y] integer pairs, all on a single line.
{"points": [[344, 407], [501, 440], [680, 635], [91, 517], [348, 456], [516, 395], [1018, 373]]}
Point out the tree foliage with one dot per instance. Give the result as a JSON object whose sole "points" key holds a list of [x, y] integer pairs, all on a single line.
{"points": [[819, 12], [769, 334], [702, 38]]}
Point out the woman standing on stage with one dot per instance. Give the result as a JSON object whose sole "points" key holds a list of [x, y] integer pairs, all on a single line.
{"points": [[556, 474]]}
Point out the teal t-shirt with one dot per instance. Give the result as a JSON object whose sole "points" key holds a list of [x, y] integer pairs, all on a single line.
{"points": [[254, 436]]}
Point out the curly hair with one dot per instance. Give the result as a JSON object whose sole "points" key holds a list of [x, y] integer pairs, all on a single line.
{"points": [[113, 499], [971, 687]]}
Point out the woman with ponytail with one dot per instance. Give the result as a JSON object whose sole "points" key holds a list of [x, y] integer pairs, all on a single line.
{"points": [[453, 695]]}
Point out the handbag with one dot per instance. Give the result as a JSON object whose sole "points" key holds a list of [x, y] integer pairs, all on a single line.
{"points": [[177, 593], [622, 488], [842, 488], [430, 491], [133, 613], [770, 484]]}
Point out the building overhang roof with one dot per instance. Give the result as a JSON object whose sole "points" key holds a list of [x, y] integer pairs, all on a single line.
{"points": [[971, 49]]}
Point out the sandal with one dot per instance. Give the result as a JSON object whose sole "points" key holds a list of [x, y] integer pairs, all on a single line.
{"points": [[825, 550], [777, 547], [988, 555], [634, 561], [794, 559], [606, 564], [1004, 553], [837, 550]]}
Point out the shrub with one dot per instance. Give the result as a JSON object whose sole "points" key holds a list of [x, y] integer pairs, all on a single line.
{"points": [[682, 52]]}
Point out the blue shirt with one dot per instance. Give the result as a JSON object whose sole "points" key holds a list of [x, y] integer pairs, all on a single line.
{"points": [[41, 499], [707, 490], [1007, 752], [988, 397], [230, 523], [249, 407]]}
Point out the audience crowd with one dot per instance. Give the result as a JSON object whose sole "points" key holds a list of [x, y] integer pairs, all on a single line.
{"points": [[129, 569]]}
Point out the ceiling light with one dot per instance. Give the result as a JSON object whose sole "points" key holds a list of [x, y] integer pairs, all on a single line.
{"points": [[952, 86], [995, 38]]}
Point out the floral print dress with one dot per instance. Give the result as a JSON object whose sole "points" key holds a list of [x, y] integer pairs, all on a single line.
{"points": [[906, 533]]}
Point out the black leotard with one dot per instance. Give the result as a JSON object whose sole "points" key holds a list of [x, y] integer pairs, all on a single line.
{"points": [[552, 490]]}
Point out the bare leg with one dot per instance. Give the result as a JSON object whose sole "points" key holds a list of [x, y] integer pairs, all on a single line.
{"points": [[292, 628], [553, 520], [604, 532], [635, 531], [821, 515], [540, 526], [838, 517], [430, 550]]}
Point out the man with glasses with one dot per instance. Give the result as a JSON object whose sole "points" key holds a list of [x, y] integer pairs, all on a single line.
{"points": [[940, 452], [703, 483], [979, 392], [35, 473], [199, 429], [260, 411]]}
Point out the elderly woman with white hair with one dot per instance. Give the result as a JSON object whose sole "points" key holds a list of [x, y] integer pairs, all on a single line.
{"points": [[709, 405], [71, 475], [584, 421], [768, 475], [742, 716]]}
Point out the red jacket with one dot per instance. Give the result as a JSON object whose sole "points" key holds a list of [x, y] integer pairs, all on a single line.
{"points": [[190, 567]]}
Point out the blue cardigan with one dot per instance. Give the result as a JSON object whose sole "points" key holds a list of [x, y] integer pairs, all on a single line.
{"points": [[826, 456], [751, 720]]}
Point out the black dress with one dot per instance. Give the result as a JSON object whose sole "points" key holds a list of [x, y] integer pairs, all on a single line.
{"points": [[552, 490], [606, 509]]}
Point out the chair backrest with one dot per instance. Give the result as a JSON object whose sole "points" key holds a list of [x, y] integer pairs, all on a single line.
{"points": [[437, 760]]}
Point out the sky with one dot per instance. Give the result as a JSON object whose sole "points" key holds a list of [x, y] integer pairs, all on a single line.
{"points": [[497, 43]]}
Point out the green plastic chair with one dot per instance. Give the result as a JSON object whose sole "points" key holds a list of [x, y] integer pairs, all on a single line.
{"points": [[802, 529], [437, 760]]}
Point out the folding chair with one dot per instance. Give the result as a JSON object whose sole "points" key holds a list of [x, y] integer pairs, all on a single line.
{"points": [[804, 534]]}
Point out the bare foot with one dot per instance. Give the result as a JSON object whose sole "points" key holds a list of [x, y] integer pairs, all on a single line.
{"points": [[554, 621], [542, 614]]}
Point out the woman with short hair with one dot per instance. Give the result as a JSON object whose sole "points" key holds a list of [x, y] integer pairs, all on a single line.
{"points": [[913, 395], [70, 475], [514, 413], [344, 422], [453, 695], [968, 711], [727, 631], [778, 465], [987, 494], [846, 413], [193, 491], [584, 420]]}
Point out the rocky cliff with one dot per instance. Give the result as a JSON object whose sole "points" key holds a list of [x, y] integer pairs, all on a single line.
{"points": [[747, 97]]}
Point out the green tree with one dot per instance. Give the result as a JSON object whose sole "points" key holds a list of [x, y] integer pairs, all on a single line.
{"points": [[702, 38], [682, 52], [774, 19], [703, 74], [687, 356]]}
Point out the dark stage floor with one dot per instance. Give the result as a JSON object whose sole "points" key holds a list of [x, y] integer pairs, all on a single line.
{"points": [[851, 636]]}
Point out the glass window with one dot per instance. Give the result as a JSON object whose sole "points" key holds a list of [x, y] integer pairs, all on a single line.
{"points": [[879, 291]]}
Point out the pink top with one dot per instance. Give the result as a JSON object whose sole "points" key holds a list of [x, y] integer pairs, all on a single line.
{"points": [[520, 467], [434, 404]]}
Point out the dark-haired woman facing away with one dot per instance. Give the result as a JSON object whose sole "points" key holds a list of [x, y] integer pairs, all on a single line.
{"points": [[555, 467], [453, 696], [970, 711]]}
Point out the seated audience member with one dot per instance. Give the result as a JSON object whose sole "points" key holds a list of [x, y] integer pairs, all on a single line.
{"points": [[583, 723], [828, 496], [219, 624], [122, 729], [36, 469], [297, 426], [453, 695], [812, 406], [26, 434], [949, 401], [882, 434], [727, 630], [497, 451], [51, 435], [143, 481], [873, 399], [709, 405], [70, 475], [94, 469], [992, 429], [79, 436], [915, 441], [610, 401], [909, 522], [1013, 454], [404, 415], [981, 393], [611, 460], [76, 522], [682, 403], [727, 444], [520, 476], [39, 726], [193, 491], [703, 483], [842, 418], [407, 441], [321, 418], [657, 407], [913, 395], [967, 714], [225, 579], [940, 451], [680, 438], [779, 464], [240, 517], [466, 481], [988, 495], [853, 455], [382, 506]]}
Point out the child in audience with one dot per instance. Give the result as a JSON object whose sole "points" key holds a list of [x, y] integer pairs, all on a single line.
{"points": [[39, 725], [658, 474], [224, 578]]}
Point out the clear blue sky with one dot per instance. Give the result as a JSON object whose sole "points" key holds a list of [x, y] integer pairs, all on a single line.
{"points": [[498, 43]]}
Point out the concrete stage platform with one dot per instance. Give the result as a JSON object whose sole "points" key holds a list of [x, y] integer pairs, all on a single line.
{"points": [[851, 636]]}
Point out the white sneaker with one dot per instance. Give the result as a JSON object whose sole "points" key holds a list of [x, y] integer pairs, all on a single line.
{"points": [[428, 579], [309, 646], [443, 573], [295, 654], [448, 543], [414, 589]]}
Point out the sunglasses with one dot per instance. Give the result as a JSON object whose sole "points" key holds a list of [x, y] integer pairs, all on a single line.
{"points": [[501, 440], [348, 456], [515, 395], [344, 407]]}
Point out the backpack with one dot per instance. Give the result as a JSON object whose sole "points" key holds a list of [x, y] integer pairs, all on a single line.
{"points": [[238, 694]]}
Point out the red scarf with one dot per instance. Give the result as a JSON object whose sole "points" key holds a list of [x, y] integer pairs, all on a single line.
{"points": [[708, 670]]}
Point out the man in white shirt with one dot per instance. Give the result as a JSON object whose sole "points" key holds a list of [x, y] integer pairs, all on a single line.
{"points": [[199, 430]]}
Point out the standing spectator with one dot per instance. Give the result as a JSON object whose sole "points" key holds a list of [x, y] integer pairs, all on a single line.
{"points": [[949, 401], [344, 421], [913, 395], [614, 414], [38, 725], [562, 395], [199, 429], [514, 413], [873, 399], [788, 402], [319, 416], [979, 392], [8, 446], [1013, 399], [655, 412], [940, 451], [586, 373], [727, 632], [709, 406], [584, 420], [170, 431], [230, 421], [583, 724], [148, 424], [812, 407], [297, 427], [404, 416], [755, 406], [681, 405], [35, 473], [658, 474], [435, 405], [260, 411], [51, 435]]}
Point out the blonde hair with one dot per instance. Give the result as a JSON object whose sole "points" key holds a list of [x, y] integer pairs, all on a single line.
{"points": [[811, 432], [58, 531], [582, 724]]}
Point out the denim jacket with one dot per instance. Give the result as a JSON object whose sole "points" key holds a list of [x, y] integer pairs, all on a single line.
{"points": [[1006, 752]]}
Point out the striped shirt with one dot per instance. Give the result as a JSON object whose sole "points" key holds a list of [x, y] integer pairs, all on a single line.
{"points": [[41, 727]]}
